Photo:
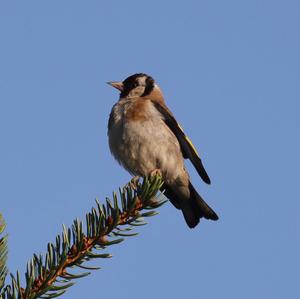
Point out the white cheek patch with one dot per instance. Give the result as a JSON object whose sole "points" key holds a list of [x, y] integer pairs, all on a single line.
{"points": [[136, 92]]}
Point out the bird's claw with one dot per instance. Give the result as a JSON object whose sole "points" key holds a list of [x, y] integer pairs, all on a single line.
{"points": [[134, 182], [155, 172]]}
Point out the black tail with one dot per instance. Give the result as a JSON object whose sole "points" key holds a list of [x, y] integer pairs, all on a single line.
{"points": [[193, 208], [199, 206]]}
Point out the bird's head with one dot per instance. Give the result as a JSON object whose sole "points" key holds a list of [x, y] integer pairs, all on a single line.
{"points": [[137, 85]]}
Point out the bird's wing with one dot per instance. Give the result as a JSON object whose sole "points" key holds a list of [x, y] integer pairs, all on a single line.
{"points": [[187, 147]]}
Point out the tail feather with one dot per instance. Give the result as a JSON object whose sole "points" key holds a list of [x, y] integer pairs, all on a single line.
{"points": [[194, 208], [200, 206]]}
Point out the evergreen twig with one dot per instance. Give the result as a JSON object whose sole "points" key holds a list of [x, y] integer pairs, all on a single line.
{"points": [[50, 276], [3, 253]]}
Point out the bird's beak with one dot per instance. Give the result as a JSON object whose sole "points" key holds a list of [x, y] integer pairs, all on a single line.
{"points": [[117, 85]]}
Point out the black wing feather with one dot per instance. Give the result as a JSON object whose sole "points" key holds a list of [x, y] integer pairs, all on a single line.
{"points": [[187, 148]]}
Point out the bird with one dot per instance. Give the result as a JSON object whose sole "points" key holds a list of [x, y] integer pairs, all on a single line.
{"points": [[144, 137]]}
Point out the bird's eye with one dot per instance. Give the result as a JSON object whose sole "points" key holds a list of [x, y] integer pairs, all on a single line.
{"points": [[136, 84]]}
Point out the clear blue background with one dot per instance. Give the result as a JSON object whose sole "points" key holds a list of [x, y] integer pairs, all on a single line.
{"points": [[230, 71]]}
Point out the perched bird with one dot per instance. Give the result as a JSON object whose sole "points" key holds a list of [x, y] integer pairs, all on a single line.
{"points": [[144, 136]]}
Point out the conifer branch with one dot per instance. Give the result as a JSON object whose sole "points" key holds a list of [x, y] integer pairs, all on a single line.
{"points": [[50, 276], [3, 253]]}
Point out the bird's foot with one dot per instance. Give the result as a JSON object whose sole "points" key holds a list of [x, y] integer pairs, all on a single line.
{"points": [[155, 172], [134, 182]]}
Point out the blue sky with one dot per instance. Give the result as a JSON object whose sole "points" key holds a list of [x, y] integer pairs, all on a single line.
{"points": [[230, 72]]}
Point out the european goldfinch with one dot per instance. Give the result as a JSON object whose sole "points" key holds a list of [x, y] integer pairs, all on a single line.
{"points": [[144, 136]]}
